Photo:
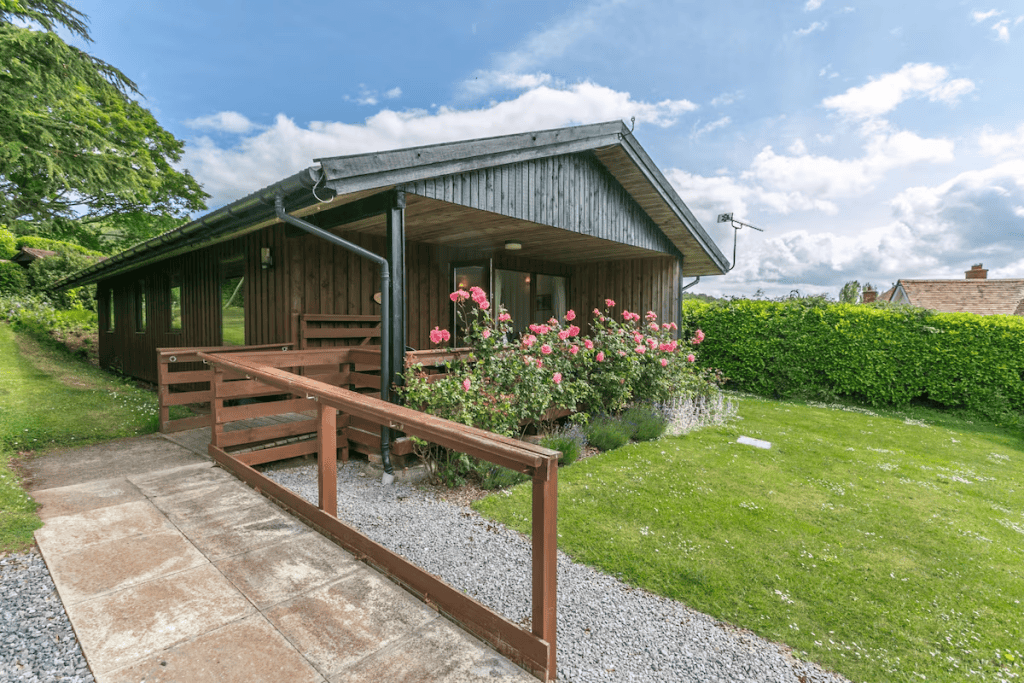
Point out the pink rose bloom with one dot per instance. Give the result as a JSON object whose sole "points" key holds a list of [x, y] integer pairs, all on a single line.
{"points": [[699, 337], [465, 384], [552, 321], [484, 305], [504, 317], [641, 349], [636, 317], [574, 349], [570, 316], [652, 342], [546, 349], [602, 318], [563, 335], [664, 362], [588, 344], [609, 303], [557, 378], [666, 326], [540, 363], [600, 357], [626, 315], [691, 358], [529, 340], [479, 295], [597, 312], [653, 327], [533, 328], [487, 334], [573, 330], [651, 315], [673, 326], [622, 353], [438, 335], [454, 296], [637, 337]]}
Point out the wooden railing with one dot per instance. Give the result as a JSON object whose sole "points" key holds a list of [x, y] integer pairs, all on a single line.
{"points": [[357, 330], [184, 380], [534, 650]]}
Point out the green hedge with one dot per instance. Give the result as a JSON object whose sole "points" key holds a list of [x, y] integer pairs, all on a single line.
{"points": [[878, 354], [34, 242], [7, 244], [13, 280]]}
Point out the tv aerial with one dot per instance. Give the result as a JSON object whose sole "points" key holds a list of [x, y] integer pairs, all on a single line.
{"points": [[736, 226]]}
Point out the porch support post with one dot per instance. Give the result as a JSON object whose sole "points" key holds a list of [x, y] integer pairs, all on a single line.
{"points": [[545, 557], [396, 258], [327, 458]]}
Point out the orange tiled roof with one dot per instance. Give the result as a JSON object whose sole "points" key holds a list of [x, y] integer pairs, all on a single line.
{"points": [[982, 296]]}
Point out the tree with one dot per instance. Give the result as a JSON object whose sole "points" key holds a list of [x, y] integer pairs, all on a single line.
{"points": [[77, 151], [850, 293]]}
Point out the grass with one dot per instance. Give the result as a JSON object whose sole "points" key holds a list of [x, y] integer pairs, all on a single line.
{"points": [[233, 326], [50, 398], [888, 547]]}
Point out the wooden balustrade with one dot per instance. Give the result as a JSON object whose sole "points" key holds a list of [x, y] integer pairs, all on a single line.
{"points": [[535, 649]]}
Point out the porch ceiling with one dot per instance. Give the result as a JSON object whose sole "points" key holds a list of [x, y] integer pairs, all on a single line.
{"points": [[433, 221]]}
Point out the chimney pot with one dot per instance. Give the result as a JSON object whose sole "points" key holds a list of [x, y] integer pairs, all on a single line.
{"points": [[977, 272], [868, 296]]}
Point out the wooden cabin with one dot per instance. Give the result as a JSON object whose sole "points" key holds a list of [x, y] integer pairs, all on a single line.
{"points": [[544, 222]]}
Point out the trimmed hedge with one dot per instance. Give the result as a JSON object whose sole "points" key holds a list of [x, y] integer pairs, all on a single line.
{"points": [[13, 280], [7, 244], [878, 354], [34, 242]]}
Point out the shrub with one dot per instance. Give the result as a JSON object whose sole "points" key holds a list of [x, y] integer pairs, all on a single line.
{"points": [[58, 246], [879, 354], [570, 441], [44, 273], [498, 477], [8, 245], [607, 433], [13, 279], [645, 422]]}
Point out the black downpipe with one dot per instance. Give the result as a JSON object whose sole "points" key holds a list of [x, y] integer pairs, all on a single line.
{"points": [[385, 321]]}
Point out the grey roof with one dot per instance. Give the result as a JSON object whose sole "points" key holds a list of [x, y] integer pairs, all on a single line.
{"points": [[612, 142]]}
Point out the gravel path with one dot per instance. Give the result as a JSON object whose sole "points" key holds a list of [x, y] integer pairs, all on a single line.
{"points": [[607, 631], [36, 640]]}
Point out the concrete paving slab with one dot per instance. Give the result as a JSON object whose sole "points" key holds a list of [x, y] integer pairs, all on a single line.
{"points": [[61, 535], [108, 460], [438, 652], [284, 570], [246, 651], [68, 500], [206, 500], [339, 624], [118, 629], [105, 567], [180, 479], [240, 529]]}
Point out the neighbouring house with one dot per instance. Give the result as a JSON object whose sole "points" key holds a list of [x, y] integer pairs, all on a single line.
{"points": [[27, 255], [544, 221], [973, 294]]}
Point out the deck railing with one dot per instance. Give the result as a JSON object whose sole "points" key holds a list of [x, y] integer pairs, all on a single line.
{"points": [[533, 650]]}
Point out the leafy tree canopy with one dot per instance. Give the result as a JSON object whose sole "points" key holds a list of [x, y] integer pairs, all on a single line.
{"points": [[80, 158]]}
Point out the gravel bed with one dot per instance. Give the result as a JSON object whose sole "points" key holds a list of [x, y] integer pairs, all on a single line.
{"points": [[607, 630], [36, 640]]}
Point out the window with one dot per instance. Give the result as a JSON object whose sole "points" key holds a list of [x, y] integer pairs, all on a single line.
{"points": [[174, 310], [530, 297], [232, 301], [110, 310], [466, 277], [140, 306]]}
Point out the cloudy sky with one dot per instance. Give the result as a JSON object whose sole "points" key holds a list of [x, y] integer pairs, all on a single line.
{"points": [[870, 140]]}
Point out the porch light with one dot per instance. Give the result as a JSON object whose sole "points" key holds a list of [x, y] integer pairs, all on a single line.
{"points": [[513, 245], [266, 258]]}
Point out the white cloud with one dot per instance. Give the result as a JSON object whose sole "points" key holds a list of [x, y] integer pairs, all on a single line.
{"points": [[996, 144], [884, 94], [490, 81], [286, 147], [812, 5], [708, 127], [727, 98], [1002, 29], [225, 121], [816, 26], [982, 16], [393, 93]]}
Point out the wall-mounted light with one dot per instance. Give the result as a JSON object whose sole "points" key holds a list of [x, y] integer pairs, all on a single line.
{"points": [[266, 258], [513, 245]]}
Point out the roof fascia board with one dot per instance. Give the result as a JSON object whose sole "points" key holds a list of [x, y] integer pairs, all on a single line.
{"points": [[671, 197]]}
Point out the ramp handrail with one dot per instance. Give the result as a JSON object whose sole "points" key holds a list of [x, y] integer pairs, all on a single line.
{"points": [[534, 650]]}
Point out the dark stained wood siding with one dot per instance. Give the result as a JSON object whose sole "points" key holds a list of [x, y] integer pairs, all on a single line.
{"points": [[573, 192]]}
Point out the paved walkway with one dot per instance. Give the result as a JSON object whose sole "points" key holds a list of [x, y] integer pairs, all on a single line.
{"points": [[170, 569]]}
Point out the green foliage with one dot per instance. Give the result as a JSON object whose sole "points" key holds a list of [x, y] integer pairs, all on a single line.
{"points": [[607, 433], [74, 143], [37, 316], [7, 244], [498, 477], [850, 293], [46, 272], [645, 422], [13, 280], [878, 354], [58, 246], [569, 441]]}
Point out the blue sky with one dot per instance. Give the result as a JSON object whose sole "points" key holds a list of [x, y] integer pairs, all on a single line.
{"points": [[871, 140]]}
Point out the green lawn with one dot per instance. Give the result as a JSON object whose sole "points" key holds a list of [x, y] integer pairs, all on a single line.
{"points": [[888, 548], [50, 398]]}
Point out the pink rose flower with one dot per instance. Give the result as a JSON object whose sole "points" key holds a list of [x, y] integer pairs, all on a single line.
{"points": [[690, 358], [588, 344], [666, 326], [626, 315], [487, 334], [540, 363], [438, 335], [653, 327], [597, 312], [466, 384], [602, 318], [651, 315], [557, 378], [573, 330], [699, 337], [546, 349], [570, 316], [637, 337], [641, 349], [454, 296], [609, 303], [504, 317], [484, 305], [563, 335], [664, 362], [574, 349], [529, 340], [599, 357], [652, 342]]}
